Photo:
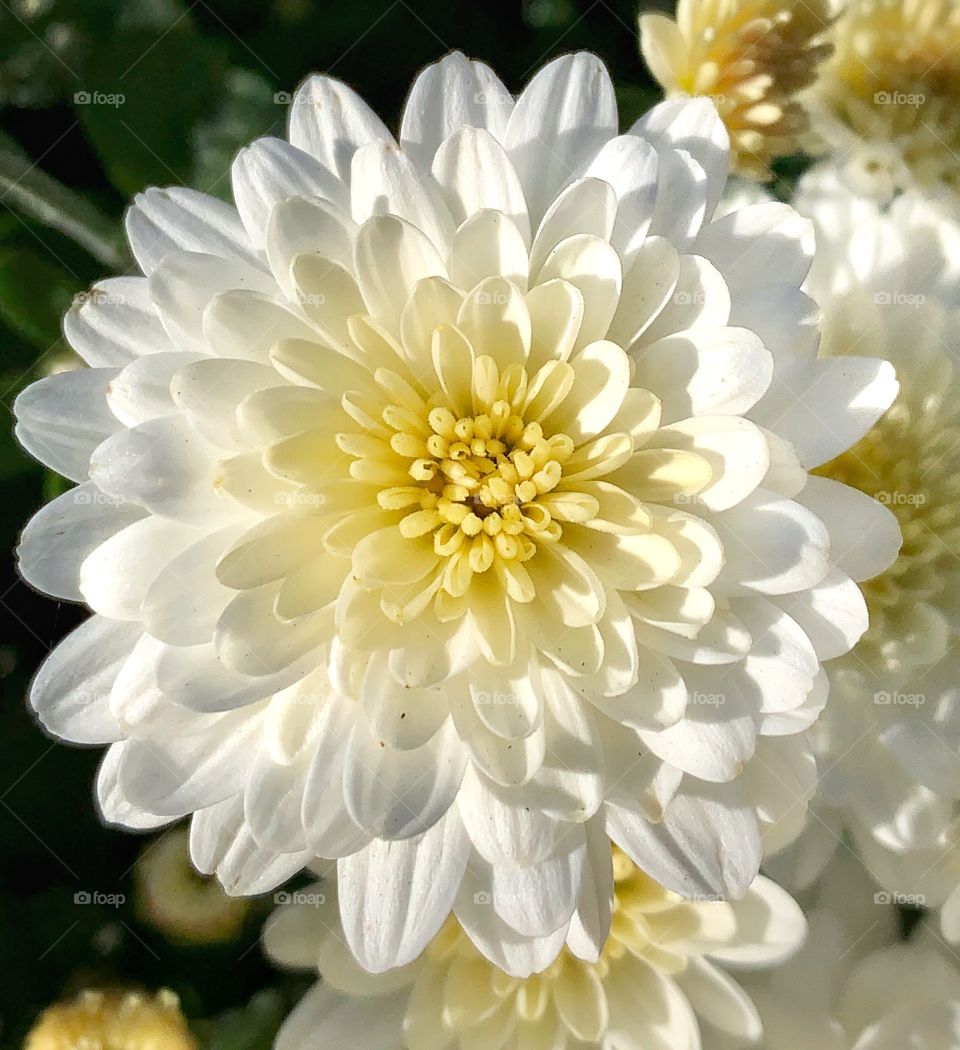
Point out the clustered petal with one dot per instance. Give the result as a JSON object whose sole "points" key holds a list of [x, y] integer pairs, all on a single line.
{"points": [[445, 510]]}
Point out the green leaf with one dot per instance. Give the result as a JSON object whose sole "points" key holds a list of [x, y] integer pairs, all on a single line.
{"points": [[34, 295], [143, 93], [27, 189]]}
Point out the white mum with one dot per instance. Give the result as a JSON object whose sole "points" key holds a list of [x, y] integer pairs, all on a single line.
{"points": [[660, 981], [889, 742], [856, 984], [445, 509]]}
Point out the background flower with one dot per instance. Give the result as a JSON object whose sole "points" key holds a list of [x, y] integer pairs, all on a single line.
{"points": [[888, 747], [753, 58], [885, 101], [660, 978]]}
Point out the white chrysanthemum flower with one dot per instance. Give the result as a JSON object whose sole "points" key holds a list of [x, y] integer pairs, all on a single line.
{"points": [[885, 100], [889, 742], [659, 980], [445, 509], [856, 985]]}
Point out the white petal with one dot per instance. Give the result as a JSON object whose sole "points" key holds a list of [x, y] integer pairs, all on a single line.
{"points": [[71, 692], [269, 171], [590, 924], [142, 389], [648, 285], [833, 614], [593, 268], [115, 809], [504, 831], [337, 1020], [399, 794], [384, 181], [771, 545], [185, 599], [770, 927], [61, 419], [539, 898], [221, 844], [705, 371], [488, 244], [395, 896], [587, 206], [181, 219], [300, 225], [681, 204], [447, 96], [694, 125], [629, 165], [178, 776], [115, 577], [736, 449], [475, 174], [185, 282], [115, 323], [331, 122], [161, 465], [719, 1000], [702, 848], [827, 407], [562, 118], [391, 256], [758, 246], [864, 534], [518, 955], [61, 534]]}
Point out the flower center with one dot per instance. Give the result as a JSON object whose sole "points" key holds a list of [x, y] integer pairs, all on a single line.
{"points": [[482, 472]]}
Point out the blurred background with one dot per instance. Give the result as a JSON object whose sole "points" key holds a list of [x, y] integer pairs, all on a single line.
{"points": [[98, 100]]}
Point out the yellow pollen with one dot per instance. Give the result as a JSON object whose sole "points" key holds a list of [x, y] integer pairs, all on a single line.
{"points": [[475, 481]]}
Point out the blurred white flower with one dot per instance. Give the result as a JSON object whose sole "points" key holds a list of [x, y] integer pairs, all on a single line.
{"points": [[660, 977], [885, 102], [855, 985], [445, 510], [889, 743]]}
